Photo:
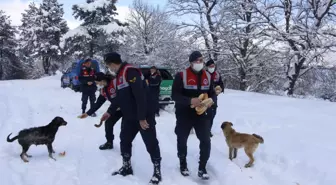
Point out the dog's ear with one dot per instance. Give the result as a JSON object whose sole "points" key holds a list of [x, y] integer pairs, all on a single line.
{"points": [[225, 123], [54, 120], [57, 119]]}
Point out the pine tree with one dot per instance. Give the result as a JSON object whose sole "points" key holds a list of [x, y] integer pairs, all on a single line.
{"points": [[92, 35], [52, 27], [9, 64], [29, 41]]}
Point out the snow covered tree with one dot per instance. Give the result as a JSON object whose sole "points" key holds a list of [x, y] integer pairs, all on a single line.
{"points": [[52, 27], [207, 24], [152, 38], [249, 63], [99, 30], [231, 32], [9, 63], [305, 28], [29, 40]]}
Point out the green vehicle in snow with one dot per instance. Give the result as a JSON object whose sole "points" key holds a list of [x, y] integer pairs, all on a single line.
{"points": [[166, 84]]}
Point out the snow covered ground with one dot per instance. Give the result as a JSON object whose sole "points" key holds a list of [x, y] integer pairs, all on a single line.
{"points": [[299, 141]]}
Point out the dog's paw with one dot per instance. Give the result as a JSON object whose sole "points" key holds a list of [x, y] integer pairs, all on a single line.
{"points": [[25, 160], [29, 156], [51, 157], [248, 165]]}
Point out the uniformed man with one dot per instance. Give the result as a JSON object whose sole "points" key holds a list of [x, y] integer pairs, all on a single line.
{"points": [[107, 92], [87, 85], [187, 86], [138, 114], [218, 84], [154, 82]]}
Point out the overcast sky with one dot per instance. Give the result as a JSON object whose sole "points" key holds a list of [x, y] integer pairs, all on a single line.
{"points": [[14, 8]]}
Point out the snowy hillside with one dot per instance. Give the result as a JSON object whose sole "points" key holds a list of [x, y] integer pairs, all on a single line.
{"points": [[299, 141]]}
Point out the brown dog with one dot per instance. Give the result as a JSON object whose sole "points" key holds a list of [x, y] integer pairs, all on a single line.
{"points": [[237, 140]]}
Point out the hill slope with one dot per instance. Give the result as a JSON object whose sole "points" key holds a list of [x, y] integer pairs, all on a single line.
{"points": [[299, 145]]}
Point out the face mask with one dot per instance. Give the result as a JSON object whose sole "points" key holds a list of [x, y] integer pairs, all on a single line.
{"points": [[198, 67], [100, 86], [112, 72], [211, 70]]}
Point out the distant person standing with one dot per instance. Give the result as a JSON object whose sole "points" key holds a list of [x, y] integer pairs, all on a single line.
{"points": [[218, 85], [88, 87], [154, 82]]}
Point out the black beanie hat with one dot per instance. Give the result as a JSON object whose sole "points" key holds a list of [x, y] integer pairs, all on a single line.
{"points": [[194, 56], [112, 57], [209, 63], [100, 76]]}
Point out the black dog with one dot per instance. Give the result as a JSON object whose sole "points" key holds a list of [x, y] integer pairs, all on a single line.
{"points": [[44, 135]]}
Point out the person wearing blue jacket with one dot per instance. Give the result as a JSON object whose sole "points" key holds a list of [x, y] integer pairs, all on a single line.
{"points": [[138, 114]]}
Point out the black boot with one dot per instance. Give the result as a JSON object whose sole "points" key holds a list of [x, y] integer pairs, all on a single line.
{"points": [[106, 146], [183, 167], [126, 168], [157, 174], [202, 173], [93, 115]]}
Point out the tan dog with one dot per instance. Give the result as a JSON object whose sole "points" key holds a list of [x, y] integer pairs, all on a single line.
{"points": [[237, 140]]}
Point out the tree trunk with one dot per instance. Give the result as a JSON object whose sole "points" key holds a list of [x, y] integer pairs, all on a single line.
{"points": [[91, 51], [1, 65], [212, 29], [294, 76], [242, 82], [1, 70], [46, 64]]}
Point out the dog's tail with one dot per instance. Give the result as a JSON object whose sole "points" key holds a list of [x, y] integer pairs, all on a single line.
{"points": [[11, 140], [259, 138]]}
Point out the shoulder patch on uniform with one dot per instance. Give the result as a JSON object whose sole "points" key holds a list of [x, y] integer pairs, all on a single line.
{"points": [[133, 80]]}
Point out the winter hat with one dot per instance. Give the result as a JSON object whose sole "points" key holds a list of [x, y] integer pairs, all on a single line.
{"points": [[112, 57], [209, 63], [100, 76], [194, 56]]}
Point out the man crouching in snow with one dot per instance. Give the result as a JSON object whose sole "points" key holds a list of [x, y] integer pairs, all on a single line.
{"points": [[138, 114]]}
